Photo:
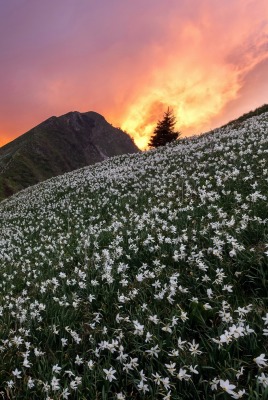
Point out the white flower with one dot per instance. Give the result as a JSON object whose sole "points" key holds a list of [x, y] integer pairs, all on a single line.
{"points": [[143, 387], [157, 378], [38, 353], [171, 367], [214, 383], [10, 383], [64, 342], [144, 307], [167, 396], [55, 384], [140, 277], [236, 331], [226, 337], [239, 373], [210, 293], [138, 328], [263, 379], [167, 328], [56, 369], [148, 337], [154, 319], [78, 360], [17, 373], [46, 387], [193, 348], [73, 385], [91, 298], [90, 364], [110, 374], [226, 386], [65, 393], [228, 288], [30, 383], [183, 316], [249, 330], [153, 351], [261, 361], [181, 343], [142, 375], [174, 353], [193, 369], [120, 396], [166, 383], [183, 375], [26, 363], [207, 306], [239, 394], [70, 373]]}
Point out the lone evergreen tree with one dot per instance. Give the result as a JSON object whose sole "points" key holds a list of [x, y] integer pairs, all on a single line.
{"points": [[164, 132]]}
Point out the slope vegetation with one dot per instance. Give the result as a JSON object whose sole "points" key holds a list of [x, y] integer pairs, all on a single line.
{"points": [[144, 276], [59, 145], [258, 111]]}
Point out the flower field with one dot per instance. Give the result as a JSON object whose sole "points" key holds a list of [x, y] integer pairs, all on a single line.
{"points": [[142, 277]]}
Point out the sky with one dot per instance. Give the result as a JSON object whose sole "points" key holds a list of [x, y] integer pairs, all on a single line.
{"points": [[130, 61]]}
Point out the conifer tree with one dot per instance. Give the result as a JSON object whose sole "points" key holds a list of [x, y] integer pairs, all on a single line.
{"points": [[164, 132]]}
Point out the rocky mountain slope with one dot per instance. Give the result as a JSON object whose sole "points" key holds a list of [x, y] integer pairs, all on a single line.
{"points": [[59, 145]]}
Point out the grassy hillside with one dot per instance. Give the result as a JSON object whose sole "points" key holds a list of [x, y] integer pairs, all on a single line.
{"points": [[258, 111], [142, 277]]}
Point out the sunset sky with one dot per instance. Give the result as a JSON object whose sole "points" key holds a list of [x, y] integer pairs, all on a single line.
{"points": [[130, 60]]}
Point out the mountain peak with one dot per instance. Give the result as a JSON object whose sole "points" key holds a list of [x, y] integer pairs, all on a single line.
{"points": [[78, 114], [58, 145]]}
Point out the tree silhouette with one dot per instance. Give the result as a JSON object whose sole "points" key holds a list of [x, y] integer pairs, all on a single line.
{"points": [[164, 132]]}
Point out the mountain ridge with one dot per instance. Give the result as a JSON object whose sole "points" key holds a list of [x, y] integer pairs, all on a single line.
{"points": [[58, 145]]}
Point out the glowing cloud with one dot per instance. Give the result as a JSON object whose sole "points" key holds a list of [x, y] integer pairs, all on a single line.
{"points": [[131, 60], [200, 77]]}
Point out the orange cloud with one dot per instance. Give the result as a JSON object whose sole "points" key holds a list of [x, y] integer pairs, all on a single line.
{"points": [[203, 72], [129, 61]]}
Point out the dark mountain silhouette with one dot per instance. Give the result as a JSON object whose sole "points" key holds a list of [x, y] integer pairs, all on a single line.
{"points": [[59, 145]]}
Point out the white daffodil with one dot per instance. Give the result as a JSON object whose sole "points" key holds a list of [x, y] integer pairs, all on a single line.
{"points": [[227, 386], [261, 361], [109, 374]]}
